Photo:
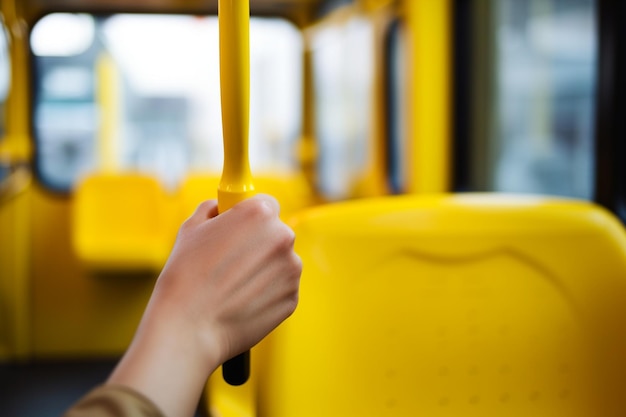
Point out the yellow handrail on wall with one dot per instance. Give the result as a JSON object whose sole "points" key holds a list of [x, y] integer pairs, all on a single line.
{"points": [[16, 148], [16, 144]]}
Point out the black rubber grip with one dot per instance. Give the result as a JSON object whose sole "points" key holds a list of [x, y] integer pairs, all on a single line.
{"points": [[236, 371]]}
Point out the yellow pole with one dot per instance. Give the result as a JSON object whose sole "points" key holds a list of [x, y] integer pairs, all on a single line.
{"points": [[236, 183], [16, 214], [107, 96], [429, 25], [17, 144], [234, 22], [307, 151]]}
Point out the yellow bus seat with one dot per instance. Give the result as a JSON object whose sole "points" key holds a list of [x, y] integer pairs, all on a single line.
{"points": [[122, 221], [291, 190], [456, 306], [195, 189]]}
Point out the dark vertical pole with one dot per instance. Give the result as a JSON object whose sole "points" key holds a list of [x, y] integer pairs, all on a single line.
{"points": [[393, 131], [462, 52], [610, 190]]}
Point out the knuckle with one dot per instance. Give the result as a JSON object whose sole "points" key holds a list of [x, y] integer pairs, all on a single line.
{"points": [[292, 302], [205, 208], [297, 265], [257, 209], [184, 227], [293, 296], [206, 204], [285, 239]]}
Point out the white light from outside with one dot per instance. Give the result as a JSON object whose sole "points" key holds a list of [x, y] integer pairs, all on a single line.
{"points": [[178, 56], [5, 65], [63, 34]]}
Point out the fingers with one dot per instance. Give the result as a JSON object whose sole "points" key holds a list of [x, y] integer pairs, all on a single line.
{"points": [[262, 202]]}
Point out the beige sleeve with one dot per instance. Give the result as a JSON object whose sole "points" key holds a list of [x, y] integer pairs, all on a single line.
{"points": [[113, 401]]}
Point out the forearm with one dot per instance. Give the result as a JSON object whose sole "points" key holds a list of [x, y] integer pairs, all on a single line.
{"points": [[166, 366], [229, 281]]}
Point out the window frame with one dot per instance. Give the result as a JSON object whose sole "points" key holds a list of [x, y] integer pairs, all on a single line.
{"points": [[475, 95], [610, 186]]}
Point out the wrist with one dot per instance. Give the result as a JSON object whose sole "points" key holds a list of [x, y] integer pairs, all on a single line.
{"points": [[167, 362], [166, 321]]}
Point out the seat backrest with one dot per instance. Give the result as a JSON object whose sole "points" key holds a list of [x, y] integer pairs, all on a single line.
{"points": [[471, 305], [122, 221], [195, 189], [290, 189]]}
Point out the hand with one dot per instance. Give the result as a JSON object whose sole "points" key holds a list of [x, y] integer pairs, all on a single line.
{"points": [[231, 278], [229, 281]]}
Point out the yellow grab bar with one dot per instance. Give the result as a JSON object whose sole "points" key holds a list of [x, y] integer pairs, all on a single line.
{"points": [[236, 183], [234, 22]]}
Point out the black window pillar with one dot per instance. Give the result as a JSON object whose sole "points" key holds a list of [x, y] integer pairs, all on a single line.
{"points": [[611, 107]]}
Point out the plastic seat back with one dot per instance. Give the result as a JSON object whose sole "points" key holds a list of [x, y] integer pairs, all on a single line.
{"points": [[472, 305], [195, 189], [291, 191], [122, 221]]}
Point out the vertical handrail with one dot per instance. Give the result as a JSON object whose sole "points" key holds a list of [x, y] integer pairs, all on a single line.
{"points": [[236, 183]]}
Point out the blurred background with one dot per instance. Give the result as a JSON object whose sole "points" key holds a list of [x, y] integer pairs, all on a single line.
{"points": [[110, 110]]}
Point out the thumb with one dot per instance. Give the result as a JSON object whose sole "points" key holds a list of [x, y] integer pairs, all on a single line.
{"points": [[205, 211]]}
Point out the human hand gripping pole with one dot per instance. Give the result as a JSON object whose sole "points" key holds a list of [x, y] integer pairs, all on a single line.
{"points": [[236, 183]]}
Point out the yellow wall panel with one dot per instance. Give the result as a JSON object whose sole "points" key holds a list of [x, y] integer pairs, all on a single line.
{"points": [[77, 313], [14, 276]]}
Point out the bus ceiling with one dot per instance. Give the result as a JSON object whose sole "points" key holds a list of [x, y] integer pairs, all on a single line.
{"points": [[300, 12]]}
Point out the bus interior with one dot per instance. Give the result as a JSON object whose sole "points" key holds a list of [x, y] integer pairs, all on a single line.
{"points": [[454, 170]]}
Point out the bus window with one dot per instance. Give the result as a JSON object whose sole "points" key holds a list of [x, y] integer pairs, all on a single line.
{"points": [[141, 93], [545, 58], [65, 116], [343, 72], [5, 77]]}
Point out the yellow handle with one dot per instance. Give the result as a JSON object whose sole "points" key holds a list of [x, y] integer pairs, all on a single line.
{"points": [[236, 183], [234, 23]]}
